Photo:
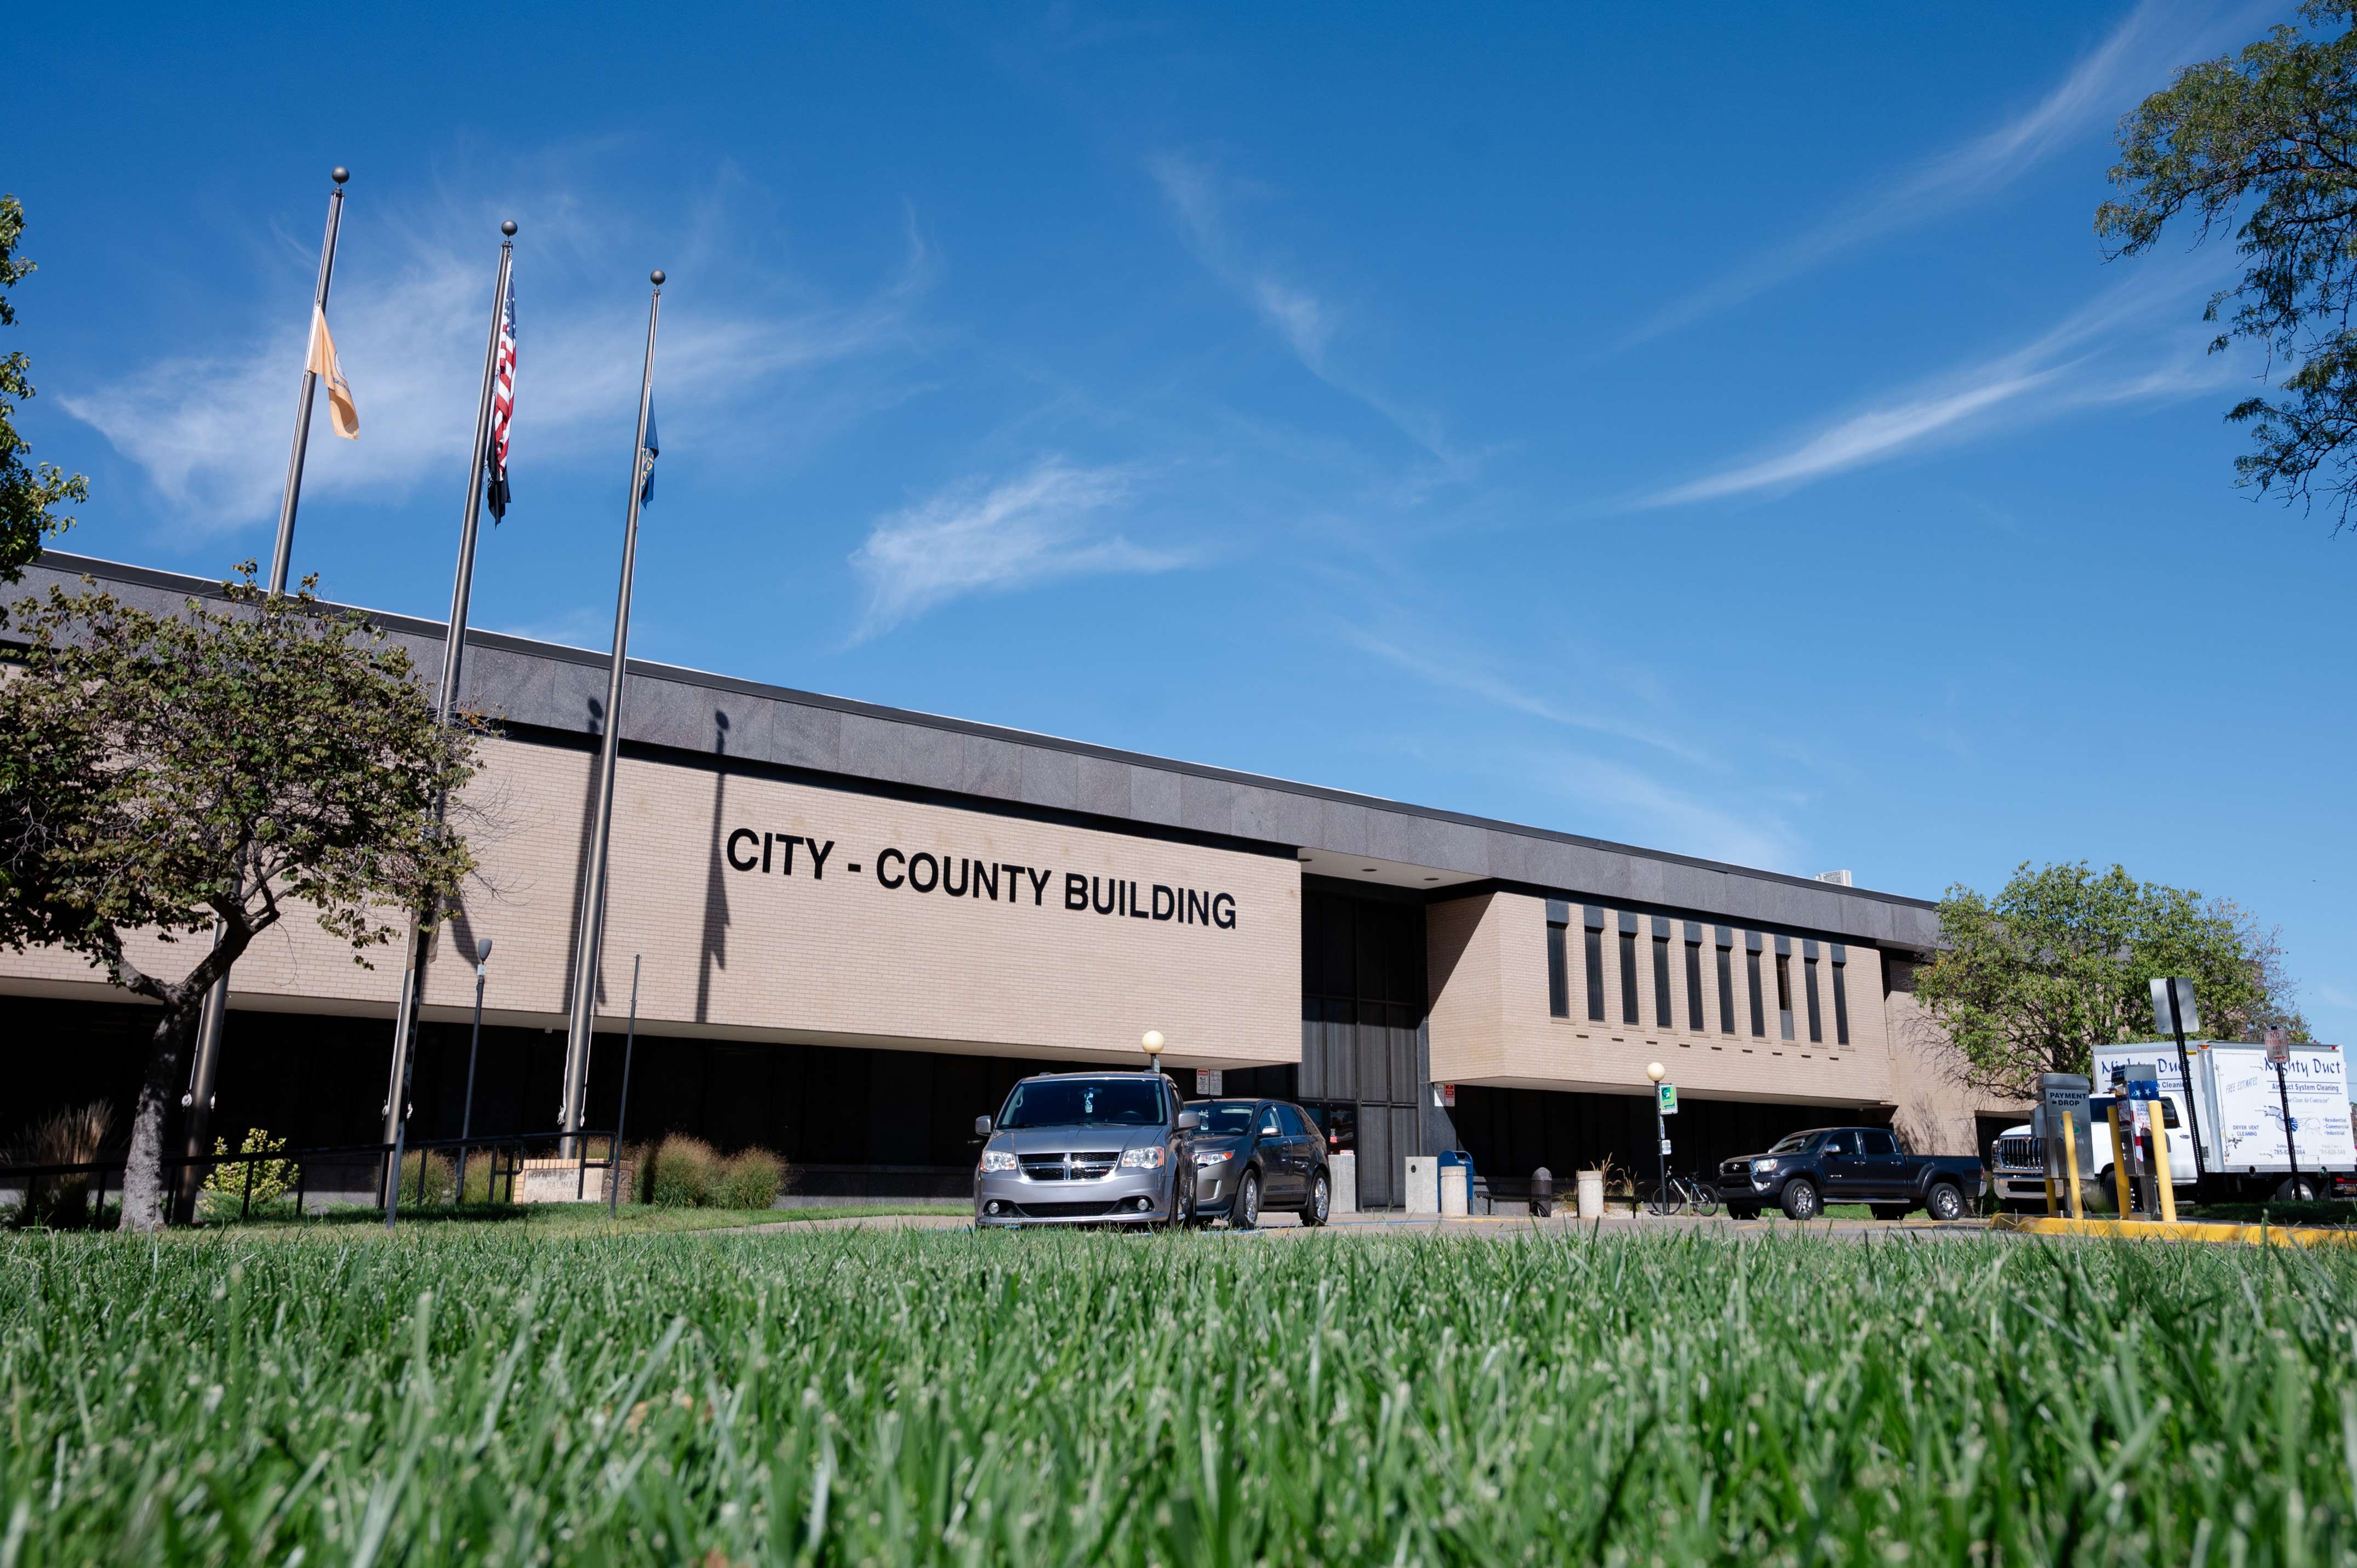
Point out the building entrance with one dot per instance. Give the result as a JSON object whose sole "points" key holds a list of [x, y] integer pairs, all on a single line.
{"points": [[1362, 1045]]}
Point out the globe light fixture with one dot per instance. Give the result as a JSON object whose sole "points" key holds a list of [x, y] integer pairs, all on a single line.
{"points": [[1656, 1071]]}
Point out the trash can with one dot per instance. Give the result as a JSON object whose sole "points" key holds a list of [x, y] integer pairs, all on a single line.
{"points": [[1456, 1182], [1591, 1195], [1542, 1192]]}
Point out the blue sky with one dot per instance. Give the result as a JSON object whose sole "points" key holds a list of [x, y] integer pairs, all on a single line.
{"points": [[1717, 430]]}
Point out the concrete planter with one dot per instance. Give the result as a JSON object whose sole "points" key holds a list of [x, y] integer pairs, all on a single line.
{"points": [[564, 1181]]}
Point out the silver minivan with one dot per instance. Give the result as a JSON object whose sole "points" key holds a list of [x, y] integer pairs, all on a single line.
{"points": [[1086, 1148]]}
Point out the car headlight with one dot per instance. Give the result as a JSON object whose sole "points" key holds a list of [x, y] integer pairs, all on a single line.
{"points": [[1146, 1159], [997, 1160], [1762, 1167], [1215, 1156]]}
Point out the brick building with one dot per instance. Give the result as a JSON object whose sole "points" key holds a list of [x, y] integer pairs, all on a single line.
{"points": [[859, 925]]}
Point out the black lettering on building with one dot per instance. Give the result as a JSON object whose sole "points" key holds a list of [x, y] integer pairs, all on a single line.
{"points": [[1223, 911], [1135, 912], [964, 867], [1112, 894], [1166, 902], [1039, 882], [888, 855], [924, 872], [1198, 911], [818, 857], [786, 841], [986, 875], [735, 863], [1076, 891]]}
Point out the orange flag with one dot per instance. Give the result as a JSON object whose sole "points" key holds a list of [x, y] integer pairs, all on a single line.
{"points": [[322, 364]]}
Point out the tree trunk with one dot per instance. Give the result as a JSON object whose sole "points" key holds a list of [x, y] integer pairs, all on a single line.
{"points": [[144, 1191]]}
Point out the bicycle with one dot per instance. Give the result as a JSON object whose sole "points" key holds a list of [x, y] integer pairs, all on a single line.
{"points": [[1686, 1192]]}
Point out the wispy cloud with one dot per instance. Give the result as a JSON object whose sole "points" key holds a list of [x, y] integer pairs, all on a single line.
{"points": [[1629, 805], [981, 537], [1306, 321], [209, 428], [1473, 676], [2121, 347], [2136, 57]]}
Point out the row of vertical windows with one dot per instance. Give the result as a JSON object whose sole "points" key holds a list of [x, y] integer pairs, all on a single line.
{"points": [[1630, 926]]}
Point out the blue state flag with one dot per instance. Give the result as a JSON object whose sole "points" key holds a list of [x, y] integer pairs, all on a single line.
{"points": [[647, 456]]}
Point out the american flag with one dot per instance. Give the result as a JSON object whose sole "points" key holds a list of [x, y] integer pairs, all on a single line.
{"points": [[503, 407]]}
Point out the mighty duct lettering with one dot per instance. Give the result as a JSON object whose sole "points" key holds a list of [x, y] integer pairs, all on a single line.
{"points": [[765, 852]]}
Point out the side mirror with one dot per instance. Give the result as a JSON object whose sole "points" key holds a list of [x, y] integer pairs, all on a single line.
{"points": [[982, 1126], [1189, 1121]]}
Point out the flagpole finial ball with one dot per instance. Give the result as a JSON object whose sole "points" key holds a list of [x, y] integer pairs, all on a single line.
{"points": [[341, 174], [656, 277], [508, 228]]}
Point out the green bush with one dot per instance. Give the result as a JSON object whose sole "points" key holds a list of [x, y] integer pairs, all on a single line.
{"points": [[750, 1178], [441, 1177], [683, 1173], [272, 1178]]}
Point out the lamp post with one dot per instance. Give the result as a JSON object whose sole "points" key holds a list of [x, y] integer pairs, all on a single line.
{"points": [[474, 1045], [1657, 1072], [1152, 1046]]}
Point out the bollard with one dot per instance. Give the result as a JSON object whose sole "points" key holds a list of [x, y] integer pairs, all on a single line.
{"points": [[1543, 1192], [2071, 1158], [2122, 1139], [1590, 1188], [2160, 1164]]}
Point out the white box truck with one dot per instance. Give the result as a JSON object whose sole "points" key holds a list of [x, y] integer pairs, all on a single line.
{"points": [[2240, 1112]]}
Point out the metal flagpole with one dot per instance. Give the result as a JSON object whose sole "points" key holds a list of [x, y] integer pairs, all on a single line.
{"points": [[582, 1022], [453, 648], [622, 1107], [294, 493], [206, 1067]]}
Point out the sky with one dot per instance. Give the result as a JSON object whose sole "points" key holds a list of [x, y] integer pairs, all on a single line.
{"points": [[1715, 429]]}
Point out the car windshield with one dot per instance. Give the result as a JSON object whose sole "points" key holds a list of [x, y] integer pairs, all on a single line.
{"points": [[1084, 1103], [1793, 1144], [1229, 1118]]}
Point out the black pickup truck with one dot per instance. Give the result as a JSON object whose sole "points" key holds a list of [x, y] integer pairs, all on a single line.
{"points": [[1848, 1165]]}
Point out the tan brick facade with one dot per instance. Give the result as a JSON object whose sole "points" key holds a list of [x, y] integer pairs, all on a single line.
{"points": [[838, 956], [1490, 1023]]}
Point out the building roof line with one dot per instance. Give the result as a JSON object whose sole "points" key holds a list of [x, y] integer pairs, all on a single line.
{"points": [[508, 642]]}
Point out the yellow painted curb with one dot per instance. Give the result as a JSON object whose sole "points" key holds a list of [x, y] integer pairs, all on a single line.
{"points": [[2182, 1231]]}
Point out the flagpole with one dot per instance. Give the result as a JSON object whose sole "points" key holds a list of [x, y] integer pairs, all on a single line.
{"points": [[205, 1066], [453, 648], [293, 492], [582, 1022]]}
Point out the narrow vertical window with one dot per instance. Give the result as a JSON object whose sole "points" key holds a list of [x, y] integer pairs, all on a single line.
{"points": [[1662, 1019], [1629, 969], [1809, 983], [1694, 978], [1592, 950], [1725, 981], [1784, 987], [1751, 983], [1841, 995], [1559, 916]]}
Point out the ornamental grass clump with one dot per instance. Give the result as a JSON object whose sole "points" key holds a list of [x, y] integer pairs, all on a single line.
{"points": [[750, 1178], [681, 1172], [76, 1136]]}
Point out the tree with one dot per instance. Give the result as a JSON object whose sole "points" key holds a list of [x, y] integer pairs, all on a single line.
{"points": [[164, 772], [28, 493], [2270, 134], [2063, 961]]}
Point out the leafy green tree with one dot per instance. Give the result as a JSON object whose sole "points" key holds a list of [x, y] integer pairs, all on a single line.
{"points": [[28, 493], [165, 772], [2267, 136], [2063, 961]]}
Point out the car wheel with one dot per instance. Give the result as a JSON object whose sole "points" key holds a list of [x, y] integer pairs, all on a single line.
{"points": [[1944, 1202], [2295, 1189], [1800, 1199], [1321, 1201], [1743, 1212], [1246, 1212]]}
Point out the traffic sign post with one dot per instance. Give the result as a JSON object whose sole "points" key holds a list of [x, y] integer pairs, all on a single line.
{"points": [[2175, 1013], [2278, 1053]]}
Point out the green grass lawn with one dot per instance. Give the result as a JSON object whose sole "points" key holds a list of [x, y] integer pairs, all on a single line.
{"points": [[485, 1393]]}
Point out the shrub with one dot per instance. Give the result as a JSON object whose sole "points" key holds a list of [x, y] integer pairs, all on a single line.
{"points": [[75, 1136], [441, 1176], [750, 1178], [272, 1177], [683, 1173]]}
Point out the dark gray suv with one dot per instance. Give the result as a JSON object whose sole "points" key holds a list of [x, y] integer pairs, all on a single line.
{"points": [[1253, 1156], [1086, 1148]]}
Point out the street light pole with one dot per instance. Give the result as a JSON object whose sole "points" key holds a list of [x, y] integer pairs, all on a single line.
{"points": [[1657, 1072], [467, 1116]]}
